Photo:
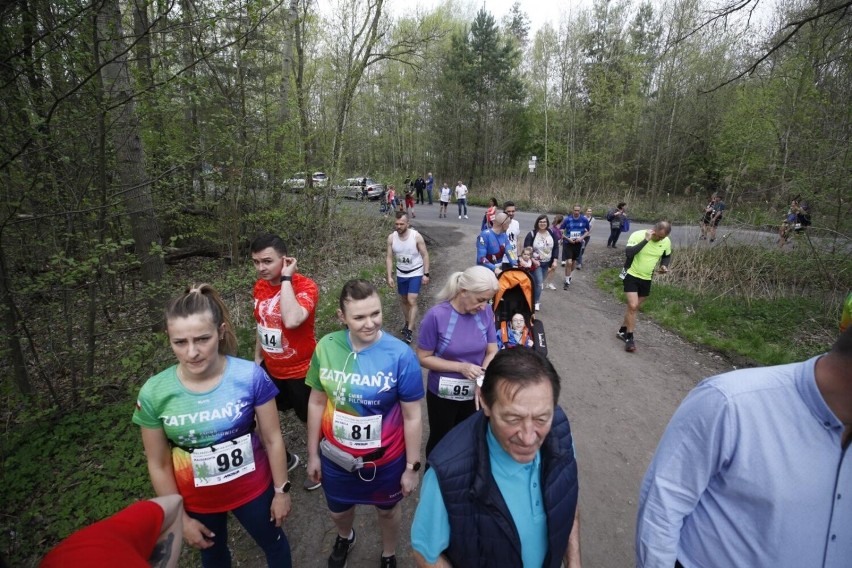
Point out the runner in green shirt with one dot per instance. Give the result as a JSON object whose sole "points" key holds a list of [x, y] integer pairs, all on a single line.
{"points": [[644, 250]]}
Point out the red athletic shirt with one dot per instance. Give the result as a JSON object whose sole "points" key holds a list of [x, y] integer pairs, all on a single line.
{"points": [[290, 357]]}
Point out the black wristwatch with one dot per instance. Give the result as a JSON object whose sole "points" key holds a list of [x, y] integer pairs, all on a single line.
{"points": [[413, 466], [426, 274], [284, 488], [286, 278]]}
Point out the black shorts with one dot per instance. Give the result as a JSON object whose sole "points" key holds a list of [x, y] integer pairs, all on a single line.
{"points": [[640, 285], [571, 251], [292, 393]]}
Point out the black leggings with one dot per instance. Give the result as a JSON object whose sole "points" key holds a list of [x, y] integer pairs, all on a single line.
{"points": [[613, 237], [443, 416]]}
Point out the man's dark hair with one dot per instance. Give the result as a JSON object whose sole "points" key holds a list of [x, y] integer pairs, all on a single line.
{"points": [[843, 345], [401, 214], [507, 204], [269, 240], [519, 367], [621, 204]]}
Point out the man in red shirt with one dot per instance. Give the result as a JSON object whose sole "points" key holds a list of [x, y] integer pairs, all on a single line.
{"points": [[285, 305]]}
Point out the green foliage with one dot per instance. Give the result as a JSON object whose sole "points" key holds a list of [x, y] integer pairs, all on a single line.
{"points": [[59, 475]]}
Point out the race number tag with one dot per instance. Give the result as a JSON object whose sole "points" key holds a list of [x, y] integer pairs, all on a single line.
{"points": [[402, 259], [270, 339], [223, 462], [575, 234], [358, 432], [455, 389]]}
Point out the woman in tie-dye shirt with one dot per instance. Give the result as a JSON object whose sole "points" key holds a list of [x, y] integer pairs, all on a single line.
{"points": [[198, 429]]}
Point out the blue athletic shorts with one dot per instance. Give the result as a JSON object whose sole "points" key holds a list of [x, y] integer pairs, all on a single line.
{"points": [[344, 489], [410, 285]]}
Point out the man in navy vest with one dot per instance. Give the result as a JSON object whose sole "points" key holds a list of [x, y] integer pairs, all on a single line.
{"points": [[502, 485]]}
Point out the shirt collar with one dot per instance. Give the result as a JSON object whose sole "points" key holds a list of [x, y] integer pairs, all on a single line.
{"points": [[808, 390]]}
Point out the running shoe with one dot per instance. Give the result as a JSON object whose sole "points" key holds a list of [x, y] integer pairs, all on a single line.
{"points": [[459, 216], [341, 549], [563, 263], [465, 216], [579, 267], [537, 307], [622, 335], [388, 562], [551, 286], [565, 286], [292, 461], [630, 345], [407, 335]]}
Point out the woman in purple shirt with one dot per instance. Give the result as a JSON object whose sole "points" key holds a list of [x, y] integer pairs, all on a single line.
{"points": [[456, 342]]}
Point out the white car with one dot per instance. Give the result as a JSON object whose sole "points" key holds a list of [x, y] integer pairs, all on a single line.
{"points": [[297, 181]]}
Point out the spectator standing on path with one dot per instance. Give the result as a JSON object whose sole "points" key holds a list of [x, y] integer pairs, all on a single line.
{"points": [[409, 203], [407, 246], [512, 253], [712, 217], [457, 341], [502, 489], [615, 217], [444, 201], [645, 248], [430, 184], [590, 217], [391, 197], [461, 198], [754, 470], [365, 422], [211, 434], [488, 218], [492, 243], [285, 304], [420, 187], [575, 227], [542, 243]]}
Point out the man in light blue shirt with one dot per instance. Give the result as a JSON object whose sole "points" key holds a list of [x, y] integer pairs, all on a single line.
{"points": [[502, 487], [754, 470]]}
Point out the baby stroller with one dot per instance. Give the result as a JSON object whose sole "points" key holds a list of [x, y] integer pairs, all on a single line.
{"points": [[515, 296]]}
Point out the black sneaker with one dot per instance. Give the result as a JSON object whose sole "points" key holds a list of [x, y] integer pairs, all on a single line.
{"points": [[341, 549], [404, 329], [622, 335], [388, 562], [292, 461], [630, 345], [309, 485], [565, 286], [407, 335]]}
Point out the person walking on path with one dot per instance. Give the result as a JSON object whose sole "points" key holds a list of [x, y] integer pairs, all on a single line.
{"points": [[575, 227], [408, 248], [502, 488], [590, 217], [461, 198], [419, 187], [430, 184], [211, 434], [444, 200], [616, 218], [512, 231], [541, 241], [645, 248], [754, 470], [364, 427], [712, 217], [457, 341], [492, 243], [285, 304]]}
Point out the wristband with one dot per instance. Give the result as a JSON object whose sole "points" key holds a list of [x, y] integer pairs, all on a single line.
{"points": [[286, 279], [426, 274]]}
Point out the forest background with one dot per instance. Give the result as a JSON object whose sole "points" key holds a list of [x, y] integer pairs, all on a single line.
{"points": [[143, 143]]}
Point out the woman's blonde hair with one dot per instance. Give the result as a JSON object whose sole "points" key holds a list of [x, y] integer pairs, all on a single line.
{"points": [[473, 279]]}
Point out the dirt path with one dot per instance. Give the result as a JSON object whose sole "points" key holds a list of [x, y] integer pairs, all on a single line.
{"points": [[618, 404]]}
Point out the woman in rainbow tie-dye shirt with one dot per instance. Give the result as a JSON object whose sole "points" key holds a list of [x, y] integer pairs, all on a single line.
{"points": [[198, 429]]}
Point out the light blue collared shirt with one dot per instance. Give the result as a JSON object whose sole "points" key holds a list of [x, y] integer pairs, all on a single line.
{"points": [[750, 472], [430, 531]]}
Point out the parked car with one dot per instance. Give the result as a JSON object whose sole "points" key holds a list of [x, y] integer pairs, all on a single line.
{"points": [[361, 188], [297, 181]]}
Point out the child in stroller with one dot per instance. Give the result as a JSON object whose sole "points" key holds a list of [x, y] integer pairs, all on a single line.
{"points": [[518, 334]]}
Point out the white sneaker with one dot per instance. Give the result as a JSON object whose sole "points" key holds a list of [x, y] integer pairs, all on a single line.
{"points": [[465, 216], [550, 286], [459, 216], [537, 307]]}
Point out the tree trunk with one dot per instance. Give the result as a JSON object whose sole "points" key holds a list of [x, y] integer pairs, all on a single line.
{"points": [[126, 139]]}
